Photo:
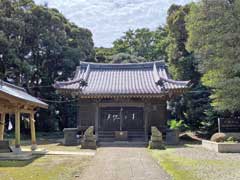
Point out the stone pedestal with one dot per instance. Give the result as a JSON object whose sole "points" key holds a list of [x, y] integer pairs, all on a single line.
{"points": [[89, 139], [172, 137], [70, 136], [121, 135], [156, 141]]}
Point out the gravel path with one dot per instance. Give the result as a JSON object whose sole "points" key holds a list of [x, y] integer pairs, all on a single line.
{"points": [[198, 152], [123, 163], [209, 164]]}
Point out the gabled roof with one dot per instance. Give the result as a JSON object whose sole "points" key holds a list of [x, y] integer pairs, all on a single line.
{"points": [[20, 93], [149, 78]]}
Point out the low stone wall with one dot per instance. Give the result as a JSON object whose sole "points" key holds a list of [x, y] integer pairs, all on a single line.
{"points": [[221, 147]]}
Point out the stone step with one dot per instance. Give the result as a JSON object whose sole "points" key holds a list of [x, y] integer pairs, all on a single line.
{"points": [[123, 144]]}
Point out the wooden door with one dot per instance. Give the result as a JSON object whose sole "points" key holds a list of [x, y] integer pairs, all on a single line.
{"points": [[110, 119], [132, 119]]}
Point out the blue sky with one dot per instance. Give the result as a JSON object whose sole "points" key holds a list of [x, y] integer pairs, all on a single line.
{"points": [[109, 19]]}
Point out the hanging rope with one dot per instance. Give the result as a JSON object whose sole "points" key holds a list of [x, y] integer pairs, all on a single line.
{"points": [[55, 101]]}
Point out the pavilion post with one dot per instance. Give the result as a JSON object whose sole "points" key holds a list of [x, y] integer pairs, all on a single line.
{"points": [[17, 130], [33, 132], [2, 125]]}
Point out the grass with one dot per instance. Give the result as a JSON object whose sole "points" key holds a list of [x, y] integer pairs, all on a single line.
{"points": [[177, 167], [43, 168], [182, 167], [49, 167]]}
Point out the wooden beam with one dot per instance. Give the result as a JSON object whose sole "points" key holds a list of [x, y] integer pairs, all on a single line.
{"points": [[33, 131], [2, 125], [27, 111], [121, 104]]}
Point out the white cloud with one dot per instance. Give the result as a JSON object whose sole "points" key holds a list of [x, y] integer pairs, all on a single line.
{"points": [[108, 19]]}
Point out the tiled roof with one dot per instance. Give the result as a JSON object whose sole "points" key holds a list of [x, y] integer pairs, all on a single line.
{"points": [[19, 93], [121, 79]]}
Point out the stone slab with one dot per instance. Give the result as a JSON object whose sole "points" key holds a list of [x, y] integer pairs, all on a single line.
{"points": [[81, 153]]}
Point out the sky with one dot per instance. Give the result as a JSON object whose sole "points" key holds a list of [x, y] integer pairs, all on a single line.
{"points": [[109, 19]]}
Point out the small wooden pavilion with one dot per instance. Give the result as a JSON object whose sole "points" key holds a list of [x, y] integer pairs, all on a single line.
{"points": [[15, 100], [122, 97]]}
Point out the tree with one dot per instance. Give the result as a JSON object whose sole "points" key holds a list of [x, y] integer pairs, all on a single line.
{"points": [[36, 43], [126, 58], [214, 35], [193, 105], [103, 55], [143, 43]]}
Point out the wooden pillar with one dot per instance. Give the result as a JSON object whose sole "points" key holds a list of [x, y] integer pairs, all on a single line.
{"points": [[17, 129], [2, 125], [163, 115], [146, 115], [96, 119], [33, 131]]}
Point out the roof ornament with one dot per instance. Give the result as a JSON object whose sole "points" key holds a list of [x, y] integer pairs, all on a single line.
{"points": [[82, 83], [161, 83], [158, 81]]}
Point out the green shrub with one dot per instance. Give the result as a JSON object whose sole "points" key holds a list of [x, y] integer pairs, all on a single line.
{"points": [[179, 125], [231, 140]]}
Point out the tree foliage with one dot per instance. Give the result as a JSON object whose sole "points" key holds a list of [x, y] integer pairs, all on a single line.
{"points": [[214, 35], [144, 43]]}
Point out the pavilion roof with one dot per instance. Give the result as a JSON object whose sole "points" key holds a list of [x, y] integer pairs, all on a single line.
{"points": [[19, 93], [150, 78]]}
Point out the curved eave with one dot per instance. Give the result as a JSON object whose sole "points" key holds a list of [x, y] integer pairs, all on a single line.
{"points": [[166, 93]]}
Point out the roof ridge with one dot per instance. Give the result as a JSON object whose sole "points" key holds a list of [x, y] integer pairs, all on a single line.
{"points": [[161, 62]]}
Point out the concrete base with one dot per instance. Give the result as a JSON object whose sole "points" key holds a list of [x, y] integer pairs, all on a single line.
{"points": [[156, 145], [221, 147], [16, 150], [121, 135], [89, 145], [34, 147], [23, 156]]}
